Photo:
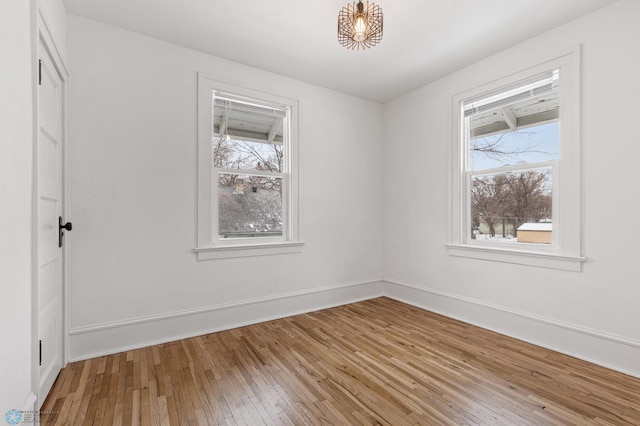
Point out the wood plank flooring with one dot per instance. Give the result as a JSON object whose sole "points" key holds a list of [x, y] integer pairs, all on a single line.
{"points": [[374, 362]]}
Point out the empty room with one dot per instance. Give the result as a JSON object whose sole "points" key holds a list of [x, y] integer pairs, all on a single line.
{"points": [[388, 212]]}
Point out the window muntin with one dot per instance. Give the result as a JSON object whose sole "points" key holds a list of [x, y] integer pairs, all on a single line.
{"points": [[511, 147]]}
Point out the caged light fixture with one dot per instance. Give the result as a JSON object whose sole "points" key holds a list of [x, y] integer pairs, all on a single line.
{"points": [[360, 25]]}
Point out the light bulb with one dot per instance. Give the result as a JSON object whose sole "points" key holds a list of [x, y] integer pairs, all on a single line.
{"points": [[360, 27]]}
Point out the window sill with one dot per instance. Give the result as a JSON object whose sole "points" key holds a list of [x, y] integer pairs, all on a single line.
{"points": [[519, 257], [230, 252]]}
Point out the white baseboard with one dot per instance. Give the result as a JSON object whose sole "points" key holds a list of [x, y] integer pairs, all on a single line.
{"points": [[608, 350], [30, 403], [108, 338]]}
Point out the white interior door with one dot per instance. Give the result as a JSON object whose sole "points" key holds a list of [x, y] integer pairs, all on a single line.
{"points": [[49, 199]]}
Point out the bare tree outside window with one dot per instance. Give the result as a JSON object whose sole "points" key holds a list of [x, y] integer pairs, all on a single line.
{"points": [[504, 202]]}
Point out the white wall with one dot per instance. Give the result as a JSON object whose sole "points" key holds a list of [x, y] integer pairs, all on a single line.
{"points": [[133, 198], [15, 207], [593, 314], [55, 16]]}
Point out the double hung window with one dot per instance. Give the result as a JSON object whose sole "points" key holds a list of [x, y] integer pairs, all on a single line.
{"points": [[516, 168], [247, 177]]}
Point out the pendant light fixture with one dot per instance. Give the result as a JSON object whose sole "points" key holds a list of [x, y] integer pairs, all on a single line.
{"points": [[360, 25]]}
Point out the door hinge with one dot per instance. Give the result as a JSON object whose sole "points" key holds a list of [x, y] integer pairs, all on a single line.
{"points": [[39, 72], [40, 352]]}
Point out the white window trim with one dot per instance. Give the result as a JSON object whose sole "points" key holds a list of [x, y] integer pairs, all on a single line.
{"points": [[208, 247], [566, 252]]}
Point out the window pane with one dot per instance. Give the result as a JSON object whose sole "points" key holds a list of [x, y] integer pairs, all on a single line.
{"points": [[523, 146], [512, 207], [249, 206], [230, 153], [515, 125]]}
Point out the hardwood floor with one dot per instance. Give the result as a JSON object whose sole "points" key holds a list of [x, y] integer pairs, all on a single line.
{"points": [[373, 362]]}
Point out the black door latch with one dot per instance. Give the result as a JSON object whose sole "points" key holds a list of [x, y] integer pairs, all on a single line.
{"points": [[61, 229]]}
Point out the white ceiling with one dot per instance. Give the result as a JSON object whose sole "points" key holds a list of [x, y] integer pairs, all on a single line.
{"points": [[423, 39]]}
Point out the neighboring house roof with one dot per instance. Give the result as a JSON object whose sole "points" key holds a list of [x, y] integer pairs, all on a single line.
{"points": [[536, 226], [258, 212]]}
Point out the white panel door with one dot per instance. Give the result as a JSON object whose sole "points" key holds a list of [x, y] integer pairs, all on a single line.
{"points": [[49, 199]]}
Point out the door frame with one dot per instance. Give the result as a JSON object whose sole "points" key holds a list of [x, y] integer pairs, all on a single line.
{"points": [[42, 36]]}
